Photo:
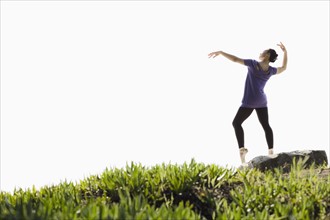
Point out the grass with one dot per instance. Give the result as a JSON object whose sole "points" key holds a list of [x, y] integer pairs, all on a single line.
{"points": [[188, 191]]}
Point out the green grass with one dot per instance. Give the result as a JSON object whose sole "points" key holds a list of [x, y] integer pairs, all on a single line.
{"points": [[188, 191]]}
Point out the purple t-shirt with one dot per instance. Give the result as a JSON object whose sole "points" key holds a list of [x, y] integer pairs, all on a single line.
{"points": [[254, 96]]}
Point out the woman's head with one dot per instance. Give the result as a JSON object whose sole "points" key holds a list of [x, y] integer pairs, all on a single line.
{"points": [[269, 54]]}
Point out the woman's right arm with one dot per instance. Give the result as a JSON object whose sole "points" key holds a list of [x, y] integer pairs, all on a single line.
{"points": [[228, 56]]}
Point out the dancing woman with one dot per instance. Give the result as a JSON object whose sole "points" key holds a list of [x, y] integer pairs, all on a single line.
{"points": [[254, 97]]}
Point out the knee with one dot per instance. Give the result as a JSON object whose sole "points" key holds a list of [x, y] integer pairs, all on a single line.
{"points": [[266, 126], [236, 124]]}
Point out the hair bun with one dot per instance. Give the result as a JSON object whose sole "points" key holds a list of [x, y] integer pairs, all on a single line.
{"points": [[273, 55]]}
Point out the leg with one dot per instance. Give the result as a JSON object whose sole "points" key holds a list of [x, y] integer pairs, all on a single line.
{"points": [[241, 116], [263, 119]]}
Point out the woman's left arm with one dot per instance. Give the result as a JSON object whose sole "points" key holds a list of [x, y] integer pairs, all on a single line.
{"points": [[285, 59]]}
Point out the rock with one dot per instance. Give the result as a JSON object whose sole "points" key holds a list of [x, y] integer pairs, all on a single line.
{"points": [[285, 160]]}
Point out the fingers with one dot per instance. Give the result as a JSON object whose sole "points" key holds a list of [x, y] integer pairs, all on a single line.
{"points": [[213, 54], [281, 46]]}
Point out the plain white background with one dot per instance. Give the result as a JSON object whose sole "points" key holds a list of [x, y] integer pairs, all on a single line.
{"points": [[88, 85]]}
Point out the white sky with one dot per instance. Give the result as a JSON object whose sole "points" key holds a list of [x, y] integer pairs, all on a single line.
{"points": [[87, 85]]}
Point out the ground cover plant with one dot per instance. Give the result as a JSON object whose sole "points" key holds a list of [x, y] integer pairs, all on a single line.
{"points": [[172, 191]]}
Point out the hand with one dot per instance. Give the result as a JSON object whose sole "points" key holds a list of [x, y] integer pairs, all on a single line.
{"points": [[214, 54], [281, 46]]}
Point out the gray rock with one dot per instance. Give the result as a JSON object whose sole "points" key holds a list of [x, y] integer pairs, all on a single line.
{"points": [[285, 160]]}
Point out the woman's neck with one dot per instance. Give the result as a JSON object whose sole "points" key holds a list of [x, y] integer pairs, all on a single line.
{"points": [[264, 65]]}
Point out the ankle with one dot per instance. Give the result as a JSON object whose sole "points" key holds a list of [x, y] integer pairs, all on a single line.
{"points": [[270, 151], [242, 152]]}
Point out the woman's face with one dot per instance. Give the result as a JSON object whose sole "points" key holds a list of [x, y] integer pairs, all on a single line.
{"points": [[264, 55]]}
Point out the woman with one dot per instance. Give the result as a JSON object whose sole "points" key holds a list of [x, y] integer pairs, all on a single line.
{"points": [[254, 96]]}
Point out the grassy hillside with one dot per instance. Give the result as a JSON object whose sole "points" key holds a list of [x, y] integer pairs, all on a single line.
{"points": [[188, 191]]}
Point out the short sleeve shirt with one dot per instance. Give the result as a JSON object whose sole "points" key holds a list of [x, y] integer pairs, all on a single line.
{"points": [[256, 79]]}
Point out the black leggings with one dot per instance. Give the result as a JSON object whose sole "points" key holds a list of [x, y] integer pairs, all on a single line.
{"points": [[242, 115]]}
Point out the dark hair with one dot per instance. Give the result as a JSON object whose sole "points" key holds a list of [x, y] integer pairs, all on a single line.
{"points": [[273, 55]]}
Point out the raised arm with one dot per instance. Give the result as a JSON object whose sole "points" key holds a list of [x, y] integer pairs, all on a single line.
{"points": [[228, 56], [285, 59]]}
